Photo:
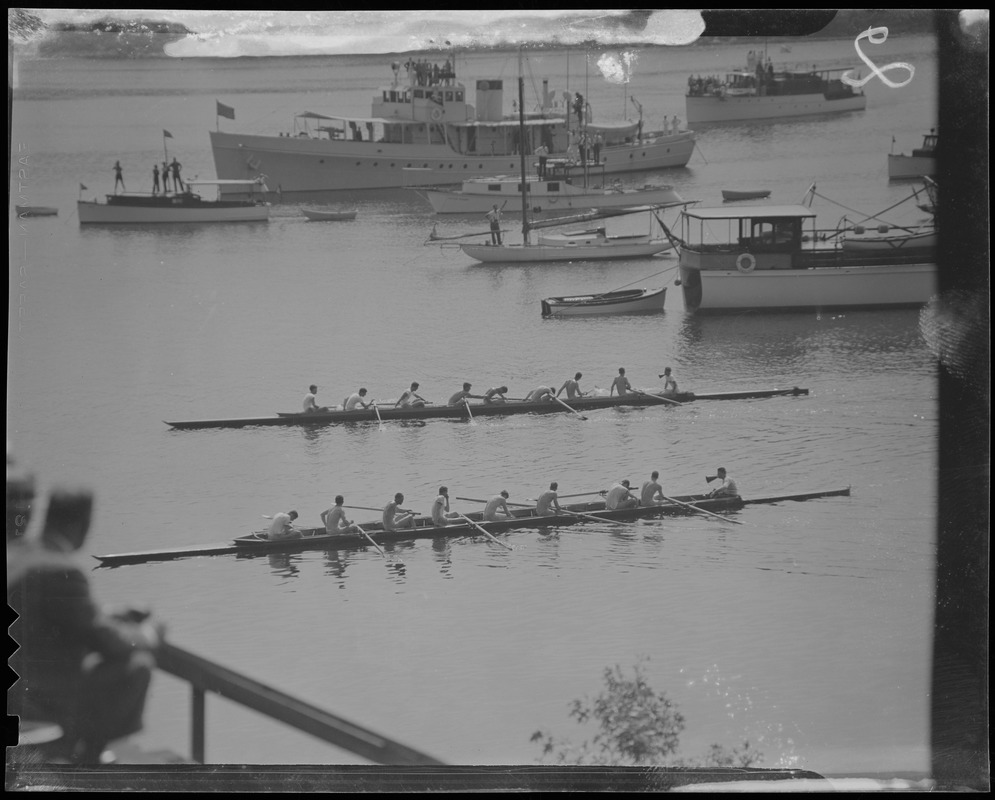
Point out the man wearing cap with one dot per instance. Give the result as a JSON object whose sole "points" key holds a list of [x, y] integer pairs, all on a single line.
{"points": [[619, 496]]}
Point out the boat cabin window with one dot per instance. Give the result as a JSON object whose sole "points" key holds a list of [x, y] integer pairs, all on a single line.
{"points": [[419, 93], [493, 187], [771, 234], [552, 187]]}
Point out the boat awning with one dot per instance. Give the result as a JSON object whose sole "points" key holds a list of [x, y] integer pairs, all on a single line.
{"points": [[381, 120], [749, 212], [224, 182], [509, 123]]}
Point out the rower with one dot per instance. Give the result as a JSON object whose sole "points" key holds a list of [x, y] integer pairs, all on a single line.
{"points": [[335, 521], [441, 515], [652, 491], [311, 403], [669, 384], [410, 398], [572, 387], [462, 396], [541, 394], [621, 383], [496, 395], [620, 496], [356, 399], [395, 517], [548, 503], [728, 486], [497, 506], [282, 526]]}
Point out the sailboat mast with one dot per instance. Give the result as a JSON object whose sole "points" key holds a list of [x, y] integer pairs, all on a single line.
{"points": [[521, 147]]}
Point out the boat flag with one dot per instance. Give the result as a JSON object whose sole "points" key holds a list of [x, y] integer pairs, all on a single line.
{"points": [[225, 111], [166, 134], [82, 188]]}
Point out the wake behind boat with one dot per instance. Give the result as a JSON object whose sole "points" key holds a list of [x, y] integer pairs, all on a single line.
{"points": [[178, 207]]}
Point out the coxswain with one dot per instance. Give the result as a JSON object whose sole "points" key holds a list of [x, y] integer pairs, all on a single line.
{"points": [[652, 491], [311, 403], [395, 517], [572, 387], [728, 486], [335, 520], [497, 507], [669, 384], [541, 394], [496, 395], [463, 395], [548, 502], [355, 400], [620, 496], [441, 515], [411, 399], [621, 383], [282, 526]]}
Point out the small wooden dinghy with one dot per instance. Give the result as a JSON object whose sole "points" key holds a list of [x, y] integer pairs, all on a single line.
{"points": [[631, 301], [745, 194], [321, 215]]}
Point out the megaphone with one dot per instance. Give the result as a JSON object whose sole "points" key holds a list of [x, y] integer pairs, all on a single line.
{"points": [[711, 478]]}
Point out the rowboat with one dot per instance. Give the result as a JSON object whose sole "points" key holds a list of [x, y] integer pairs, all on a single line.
{"points": [[459, 412], [745, 194], [629, 301], [919, 240], [321, 215], [37, 211], [179, 207], [318, 539]]}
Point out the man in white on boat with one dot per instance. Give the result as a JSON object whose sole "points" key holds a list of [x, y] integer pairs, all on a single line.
{"points": [[411, 399], [669, 383], [728, 486], [311, 403], [541, 394], [394, 517], [548, 502], [282, 526], [497, 507], [543, 153], [335, 520], [441, 515], [572, 387], [620, 496], [355, 400], [494, 217], [496, 394], [621, 383], [652, 491]]}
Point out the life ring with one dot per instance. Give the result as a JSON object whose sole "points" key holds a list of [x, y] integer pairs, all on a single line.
{"points": [[745, 262], [436, 114]]}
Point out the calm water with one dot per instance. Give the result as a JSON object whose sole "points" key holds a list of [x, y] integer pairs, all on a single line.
{"points": [[805, 630]]}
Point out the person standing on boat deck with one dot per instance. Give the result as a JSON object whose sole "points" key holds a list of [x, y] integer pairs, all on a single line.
{"points": [[463, 395], [310, 401], [620, 496], [165, 178], [494, 217], [177, 183], [395, 517], [335, 521], [541, 394], [669, 384], [598, 141], [356, 399], [572, 387], [497, 507], [409, 399], [118, 177], [282, 526], [441, 515], [548, 502], [727, 488], [621, 383], [543, 152], [652, 492], [155, 179]]}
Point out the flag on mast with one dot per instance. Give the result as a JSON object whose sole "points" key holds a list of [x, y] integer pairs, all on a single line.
{"points": [[225, 111], [166, 134]]}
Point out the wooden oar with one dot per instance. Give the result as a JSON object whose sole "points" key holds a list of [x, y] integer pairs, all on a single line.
{"points": [[597, 519], [379, 419], [568, 408], [370, 540], [700, 510], [488, 535], [469, 413], [370, 508], [478, 500], [657, 397]]}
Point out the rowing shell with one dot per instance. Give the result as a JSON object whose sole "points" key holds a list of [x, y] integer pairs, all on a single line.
{"points": [[478, 409], [317, 538]]}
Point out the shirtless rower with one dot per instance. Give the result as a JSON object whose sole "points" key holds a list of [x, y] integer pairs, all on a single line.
{"points": [[355, 400], [548, 503], [496, 395], [335, 520], [282, 526], [395, 517], [652, 491], [464, 395], [540, 394], [497, 507], [621, 383], [620, 496], [441, 515], [572, 387], [727, 488], [410, 398], [311, 403], [669, 383]]}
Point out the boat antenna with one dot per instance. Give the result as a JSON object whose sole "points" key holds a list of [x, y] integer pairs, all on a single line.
{"points": [[521, 147]]}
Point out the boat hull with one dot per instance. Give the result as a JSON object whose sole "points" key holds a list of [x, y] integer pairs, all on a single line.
{"points": [[303, 164], [95, 213], [901, 167], [316, 215], [702, 110], [465, 202], [824, 288], [637, 301], [568, 251], [479, 409]]}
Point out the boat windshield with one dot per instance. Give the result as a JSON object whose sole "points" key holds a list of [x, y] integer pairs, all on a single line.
{"points": [[770, 229]]}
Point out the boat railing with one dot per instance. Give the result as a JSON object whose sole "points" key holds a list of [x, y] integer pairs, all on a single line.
{"points": [[207, 676]]}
